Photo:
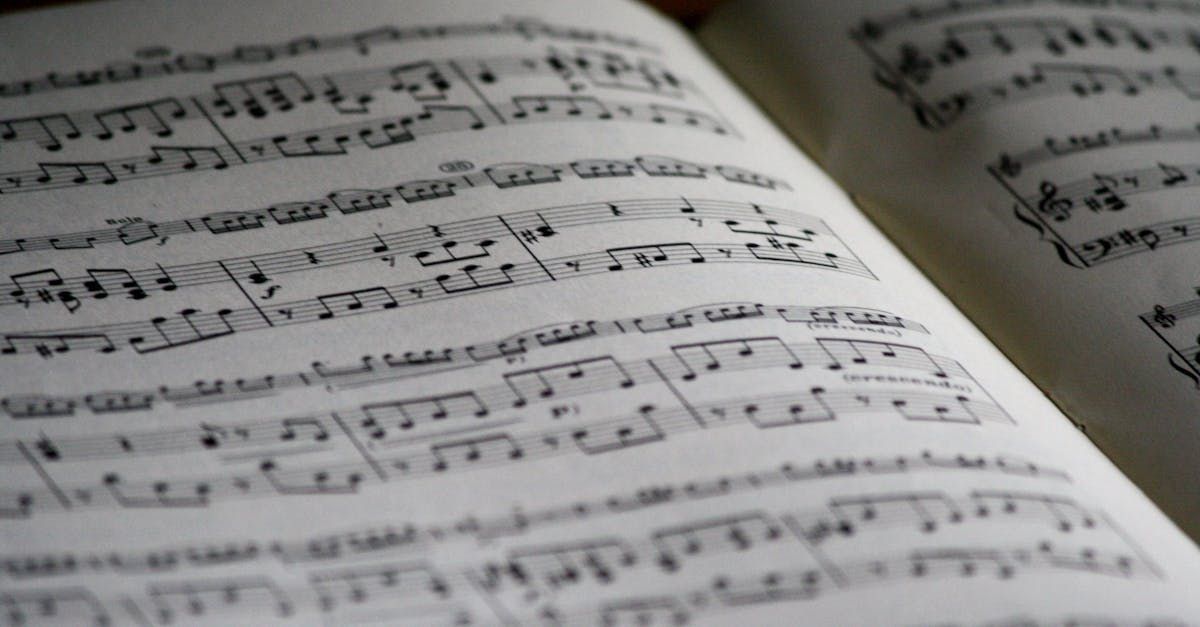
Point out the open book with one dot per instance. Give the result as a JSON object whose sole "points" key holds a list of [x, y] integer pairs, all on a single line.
{"points": [[522, 313]]}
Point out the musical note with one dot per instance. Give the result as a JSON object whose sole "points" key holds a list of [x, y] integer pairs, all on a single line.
{"points": [[154, 117], [155, 495], [188, 327], [311, 482], [213, 598], [48, 132], [547, 381], [474, 450], [408, 413], [739, 533], [67, 605], [366, 299], [359, 586]]}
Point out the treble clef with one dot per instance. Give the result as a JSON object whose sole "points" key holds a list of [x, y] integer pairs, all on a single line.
{"points": [[1052, 204], [1008, 166], [1162, 318]]}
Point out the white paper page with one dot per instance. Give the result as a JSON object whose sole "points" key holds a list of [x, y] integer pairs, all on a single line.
{"points": [[504, 314], [1037, 158]]}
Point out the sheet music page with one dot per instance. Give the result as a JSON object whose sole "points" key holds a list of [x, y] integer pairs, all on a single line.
{"points": [[1038, 158], [518, 313]]}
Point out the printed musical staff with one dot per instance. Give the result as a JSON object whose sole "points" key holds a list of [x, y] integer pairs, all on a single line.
{"points": [[1051, 80], [1072, 215], [785, 586], [1053, 148], [553, 578], [350, 202], [810, 244], [1138, 239], [1066, 53], [276, 94], [363, 42], [1060, 37], [273, 479], [394, 366], [490, 528], [1175, 325], [885, 25], [218, 127], [521, 388], [335, 140], [489, 424]]}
